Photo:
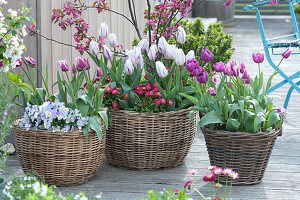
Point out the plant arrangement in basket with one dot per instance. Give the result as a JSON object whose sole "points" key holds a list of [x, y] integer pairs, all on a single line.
{"points": [[162, 63], [236, 102]]}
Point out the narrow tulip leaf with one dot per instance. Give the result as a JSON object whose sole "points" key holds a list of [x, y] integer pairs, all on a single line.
{"points": [[212, 117]]}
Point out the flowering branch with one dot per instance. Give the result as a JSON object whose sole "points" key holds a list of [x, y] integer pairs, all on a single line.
{"points": [[132, 14], [149, 26]]}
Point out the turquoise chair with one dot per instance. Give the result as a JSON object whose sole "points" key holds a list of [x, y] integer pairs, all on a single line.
{"points": [[271, 44]]}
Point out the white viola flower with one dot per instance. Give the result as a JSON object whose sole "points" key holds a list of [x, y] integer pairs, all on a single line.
{"points": [[153, 51], [3, 2], [162, 45], [129, 69], [103, 31], [190, 55], [113, 41], [44, 190], [36, 187], [144, 45], [179, 57], [181, 35], [94, 47], [161, 69]]}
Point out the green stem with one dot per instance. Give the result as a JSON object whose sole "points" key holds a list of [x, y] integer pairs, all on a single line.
{"points": [[230, 189], [74, 99], [278, 65], [211, 190], [226, 187], [259, 68], [46, 86], [201, 195]]}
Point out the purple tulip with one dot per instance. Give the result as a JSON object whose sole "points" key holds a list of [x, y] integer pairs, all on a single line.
{"points": [[206, 55], [88, 66], [99, 72], [63, 65], [235, 71], [192, 64], [30, 61], [74, 69], [243, 67], [1, 63], [197, 71], [203, 77], [248, 80], [19, 63], [81, 64], [258, 57], [219, 67], [245, 75], [283, 112], [287, 53]]}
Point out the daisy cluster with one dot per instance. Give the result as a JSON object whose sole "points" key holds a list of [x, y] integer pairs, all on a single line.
{"points": [[52, 116], [29, 186]]}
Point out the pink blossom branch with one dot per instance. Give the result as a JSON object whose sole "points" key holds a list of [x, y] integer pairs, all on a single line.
{"points": [[132, 11]]}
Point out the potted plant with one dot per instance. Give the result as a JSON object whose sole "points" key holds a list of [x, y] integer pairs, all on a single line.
{"points": [[62, 141], [238, 119]]}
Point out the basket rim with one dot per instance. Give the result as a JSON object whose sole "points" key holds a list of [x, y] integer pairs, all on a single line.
{"points": [[242, 134], [130, 112]]}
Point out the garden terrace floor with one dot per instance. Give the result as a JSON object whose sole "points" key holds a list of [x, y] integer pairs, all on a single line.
{"points": [[282, 178]]}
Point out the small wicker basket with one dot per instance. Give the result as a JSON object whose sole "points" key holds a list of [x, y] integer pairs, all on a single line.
{"points": [[62, 159], [246, 153], [149, 141]]}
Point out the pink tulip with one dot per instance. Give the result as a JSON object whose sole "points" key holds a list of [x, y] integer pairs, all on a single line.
{"points": [[63, 65]]}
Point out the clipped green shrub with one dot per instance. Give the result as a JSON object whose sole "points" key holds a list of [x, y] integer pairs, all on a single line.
{"points": [[297, 8]]}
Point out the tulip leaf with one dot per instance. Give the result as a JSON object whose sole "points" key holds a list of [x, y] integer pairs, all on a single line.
{"points": [[119, 72], [191, 98], [232, 124], [96, 126], [211, 117]]}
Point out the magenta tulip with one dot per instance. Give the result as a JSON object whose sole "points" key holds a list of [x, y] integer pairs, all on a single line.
{"points": [[287, 53], [258, 57]]}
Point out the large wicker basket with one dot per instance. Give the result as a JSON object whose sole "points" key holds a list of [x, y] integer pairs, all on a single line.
{"points": [[62, 159], [149, 141], [246, 153]]}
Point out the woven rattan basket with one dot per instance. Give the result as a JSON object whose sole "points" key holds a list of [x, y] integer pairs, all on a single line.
{"points": [[246, 153], [149, 141], [62, 159]]}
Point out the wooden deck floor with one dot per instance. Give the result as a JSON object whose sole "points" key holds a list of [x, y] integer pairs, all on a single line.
{"points": [[282, 178]]}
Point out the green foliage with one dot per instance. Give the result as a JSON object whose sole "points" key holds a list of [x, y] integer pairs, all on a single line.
{"points": [[29, 188], [214, 39], [7, 114], [297, 8], [167, 194]]}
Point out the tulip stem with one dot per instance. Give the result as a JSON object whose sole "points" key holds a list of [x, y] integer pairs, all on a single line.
{"points": [[226, 187], [73, 96], [211, 190], [230, 189]]}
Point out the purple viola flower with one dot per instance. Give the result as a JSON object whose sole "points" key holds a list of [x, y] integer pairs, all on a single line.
{"points": [[287, 53], [207, 56], [219, 67], [30, 61], [258, 57], [192, 64]]}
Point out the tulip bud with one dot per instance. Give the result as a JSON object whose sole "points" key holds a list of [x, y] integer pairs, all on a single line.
{"points": [[287, 53], [30, 61], [161, 69], [190, 55], [88, 66], [113, 41], [162, 45], [128, 67], [144, 45], [152, 54], [212, 91], [74, 69], [219, 67], [18, 62], [94, 47], [207, 56], [179, 57], [137, 55], [107, 52], [171, 51], [63, 65], [181, 35], [243, 67], [258, 57], [103, 31], [99, 72], [1, 63], [81, 64]]}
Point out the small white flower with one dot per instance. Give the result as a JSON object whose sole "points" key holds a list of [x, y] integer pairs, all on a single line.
{"points": [[22, 186], [36, 187], [44, 190]]}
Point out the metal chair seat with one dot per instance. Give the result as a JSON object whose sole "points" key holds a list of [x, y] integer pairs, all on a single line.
{"points": [[295, 43]]}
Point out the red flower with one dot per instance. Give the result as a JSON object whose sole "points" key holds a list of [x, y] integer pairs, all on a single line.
{"points": [[157, 102], [125, 96], [158, 94], [162, 101], [108, 89], [209, 177], [170, 102], [217, 198], [115, 91], [115, 104], [217, 171], [188, 186], [175, 191]]}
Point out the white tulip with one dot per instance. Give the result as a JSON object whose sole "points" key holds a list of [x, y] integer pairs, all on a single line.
{"points": [[113, 41], [107, 52], [162, 45], [152, 54], [190, 55], [144, 45], [181, 35], [171, 52], [161, 69], [128, 67], [103, 31], [179, 57], [94, 47], [137, 55]]}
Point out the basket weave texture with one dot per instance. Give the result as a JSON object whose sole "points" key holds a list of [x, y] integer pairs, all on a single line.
{"points": [[61, 158], [149, 141], [246, 153]]}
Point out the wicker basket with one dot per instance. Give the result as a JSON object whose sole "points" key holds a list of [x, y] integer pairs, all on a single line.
{"points": [[246, 153], [149, 141], [62, 159]]}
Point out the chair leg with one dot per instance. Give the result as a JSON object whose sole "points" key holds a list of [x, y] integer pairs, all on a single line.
{"points": [[288, 96]]}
